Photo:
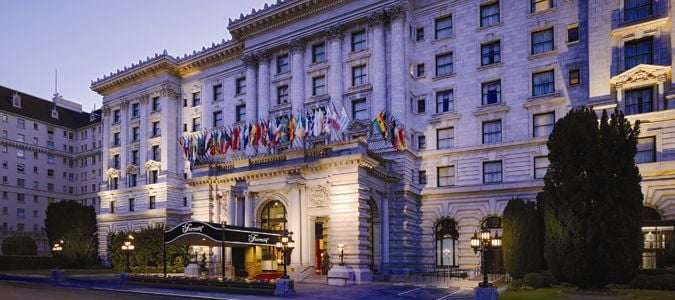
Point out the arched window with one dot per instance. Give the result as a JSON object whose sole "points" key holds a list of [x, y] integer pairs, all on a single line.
{"points": [[493, 222], [273, 216], [447, 250]]}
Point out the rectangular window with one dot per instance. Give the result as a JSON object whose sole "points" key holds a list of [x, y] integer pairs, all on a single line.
{"points": [[420, 70], [116, 116], [218, 119], [135, 110], [574, 77], [636, 9], [638, 52], [20, 153], [540, 166], [240, 113], [20, 168], [156, 131], [282, 94], [490, 53], [196, 124], [185, 202], [421, 105], [639, 101], [217, 92], [21, 123], [542, 124], [489, 14], [319, 86], [196, 99], [359, 109], [542, 41], [116, 161], [492, 132], [444, 64], [543, 83], [446, 176], [20, 213], [132, 180], [422, 177], [445, 138], [421, 142], [240, 85], [573, 33], [21, 198], [358, 40], [185, 102], [151, 201], [155, 104], [539, 5], [491, 92], [492, 171], [135, 134], [646, 150], [154, 175], [318, 52], [134, 157], [112, 206], [20, 182], [443, 27], [20, 138], [359, 75], [282, 63], [419, 34], [445, 101]]}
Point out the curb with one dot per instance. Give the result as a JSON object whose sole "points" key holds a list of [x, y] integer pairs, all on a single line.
{"points": [[162, 294]]}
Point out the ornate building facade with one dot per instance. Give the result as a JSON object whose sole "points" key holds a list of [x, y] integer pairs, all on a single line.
{"points": [[478, 84]]}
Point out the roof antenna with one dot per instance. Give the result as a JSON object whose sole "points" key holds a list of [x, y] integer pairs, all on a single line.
{"points": [[56, 82]]}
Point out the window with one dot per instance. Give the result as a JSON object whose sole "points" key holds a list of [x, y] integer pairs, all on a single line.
{"points": [[135, 134], [151, 201], [282, 63], [492, 92], [116, 139], [447, 246], [490, 53], [358, 40], [5, 210], [492, 132], [445, 101], [20, 153], [646, 150], [20, 168], [20, 182], [20, 227], [240, 85], [116, 161], [574, 77], [422, 177], [116, 116], [156, 131], [573, 34], [359, 110], [132, 180], [20, 213], [217, 92], [154, 175], [282, 94], [639, 101], [489, 14], [419, 34], [112, 206], [50, 187], [638, 52], [492, 171], [185, 127], [196, 99], [185, 102], [135, 110], [185, 202], [240, 112], [421, 142], [446, 176], [20, 138], [218, 119], [420, 70], [540, 166], [156, 154], [542, 124], [539, 5], [445, 138], [155, 103], [359, 75], [542, 41], [636, 9], [443, 27], [543, 83], [444, 64], [318, 52], [113, 183], [319, 85], [421, 105], [21, 123], [50, 172], [4, 118], [134, 157], [20, 198], [196, 124]]}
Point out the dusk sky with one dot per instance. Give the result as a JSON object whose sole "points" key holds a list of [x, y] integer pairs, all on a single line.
{"points": [[85, 39]]}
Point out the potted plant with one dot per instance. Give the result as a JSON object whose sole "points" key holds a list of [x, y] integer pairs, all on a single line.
{"points": [[325, 262]]}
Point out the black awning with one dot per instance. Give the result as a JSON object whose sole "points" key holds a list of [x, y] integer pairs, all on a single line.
{"points": [[214, 234]]}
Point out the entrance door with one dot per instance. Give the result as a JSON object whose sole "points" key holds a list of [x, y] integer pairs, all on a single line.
{"points": [[320, 231], [238, 262]]}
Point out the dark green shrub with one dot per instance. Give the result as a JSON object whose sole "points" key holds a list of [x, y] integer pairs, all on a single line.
{"points": [[654, 282], [23, 262], [534, 280], [549, 279], [515, 285], [19, 245], [521, 238]]}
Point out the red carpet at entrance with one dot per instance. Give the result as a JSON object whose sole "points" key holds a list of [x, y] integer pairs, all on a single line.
{"points": [[268, 275]]}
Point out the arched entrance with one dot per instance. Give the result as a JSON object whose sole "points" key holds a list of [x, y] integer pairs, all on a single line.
{"points": [[273, 216], [659, 240], [447, 248], [374, 239], [493, 257]]}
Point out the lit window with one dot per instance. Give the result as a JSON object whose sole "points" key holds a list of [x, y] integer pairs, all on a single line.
{"points": [[574, 77], [539, 5], [542, 124], [646, 150], [540, 166]]}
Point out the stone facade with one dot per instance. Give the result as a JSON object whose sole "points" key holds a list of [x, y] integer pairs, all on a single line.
{"points": [[479, 85]]}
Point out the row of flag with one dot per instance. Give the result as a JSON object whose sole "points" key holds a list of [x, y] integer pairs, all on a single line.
{"points": [[391, 129]]}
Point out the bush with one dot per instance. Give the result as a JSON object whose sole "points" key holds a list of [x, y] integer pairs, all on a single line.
{"points": [[515, 285], [535, 280], [521, 238], [19, 245], [24, 262], [654, 282], [549, 279]]}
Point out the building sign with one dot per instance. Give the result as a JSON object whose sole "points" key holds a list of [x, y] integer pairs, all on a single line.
{"points": [[212, 234]]}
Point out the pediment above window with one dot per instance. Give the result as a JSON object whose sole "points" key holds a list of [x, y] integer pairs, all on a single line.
{"points": [[152, 165], [112, 173], [132, 169], [641, 75]]}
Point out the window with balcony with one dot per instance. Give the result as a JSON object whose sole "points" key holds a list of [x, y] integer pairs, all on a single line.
{"points": [[446, 176]]}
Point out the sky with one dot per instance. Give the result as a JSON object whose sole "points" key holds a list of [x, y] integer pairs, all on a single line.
{"points": [[85, 39]]}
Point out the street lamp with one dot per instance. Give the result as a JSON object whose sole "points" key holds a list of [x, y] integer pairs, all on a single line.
{"points": [[484, 243], [286, 246], [341, 252], [57, 248], [128, 247]]}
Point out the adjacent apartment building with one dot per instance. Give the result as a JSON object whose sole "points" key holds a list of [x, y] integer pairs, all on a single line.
{"points": [[478, 84], [50, 151]]}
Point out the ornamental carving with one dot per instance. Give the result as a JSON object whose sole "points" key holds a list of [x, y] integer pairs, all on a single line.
{"points": [[377, 18], [106, 111], [335, 31], [249, 59], [398, 10], [132, 169], [358, 126], [169, 91], [152, 165], [641, 74], [263, 56], [112, 173], [297, 45], [319, 196]]}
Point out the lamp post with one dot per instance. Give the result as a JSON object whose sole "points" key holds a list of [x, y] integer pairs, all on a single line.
{"points": [[483, 243], [341, 252], [286, 246], [57, 248], [128, 247]]}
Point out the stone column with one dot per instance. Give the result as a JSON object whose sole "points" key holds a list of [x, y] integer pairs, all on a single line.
{"points": [[378, 71], [248, 209], [295, 212], [297, 92], [398, 63], [251, 86], [335, 89], [305, 229], [385, 229], [263, 84], [143, 136], [168, 98], [124, 136], [105, 141]]}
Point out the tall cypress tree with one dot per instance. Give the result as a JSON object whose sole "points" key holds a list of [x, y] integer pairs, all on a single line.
{"points": [[521, 239], [75, 224]]}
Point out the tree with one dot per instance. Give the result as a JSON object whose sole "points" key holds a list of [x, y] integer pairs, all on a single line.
{"points": [[148, 252], [521, 238], [19, 245], [592, 200], [75, 224]]}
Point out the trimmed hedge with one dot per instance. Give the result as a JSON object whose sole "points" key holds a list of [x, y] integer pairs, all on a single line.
{"points": [[24, 262], [19, 245], [664, 282], [534, 280]]}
